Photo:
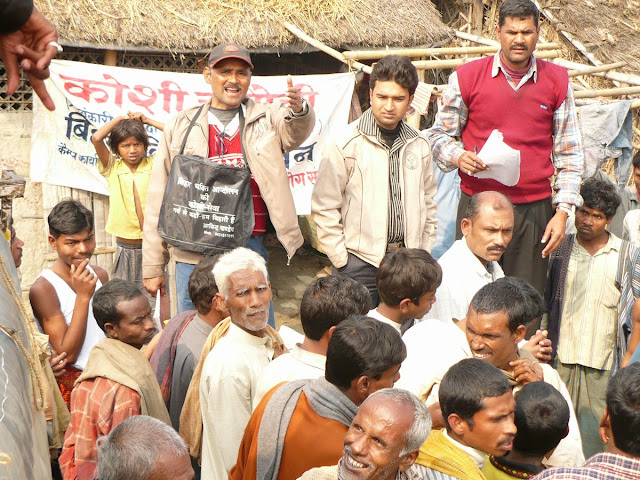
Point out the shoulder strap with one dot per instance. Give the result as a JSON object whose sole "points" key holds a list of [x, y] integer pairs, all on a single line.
{"points": [[193, 121]]}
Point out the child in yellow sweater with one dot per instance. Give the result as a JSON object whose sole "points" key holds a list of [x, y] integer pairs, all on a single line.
{"points": [[127, 169]]}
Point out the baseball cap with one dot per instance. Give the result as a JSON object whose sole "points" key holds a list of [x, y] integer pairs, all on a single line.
{"points": [[229, 50]]}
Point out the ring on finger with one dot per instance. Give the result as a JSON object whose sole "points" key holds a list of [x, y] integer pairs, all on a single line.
{"points": [[475, 165]]}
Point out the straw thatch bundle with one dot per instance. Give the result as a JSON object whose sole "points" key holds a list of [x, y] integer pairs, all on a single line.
{"points": [[609, 29], [200, 24]]}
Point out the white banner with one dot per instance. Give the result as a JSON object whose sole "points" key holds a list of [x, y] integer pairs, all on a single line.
{"points": [[87, 96]]}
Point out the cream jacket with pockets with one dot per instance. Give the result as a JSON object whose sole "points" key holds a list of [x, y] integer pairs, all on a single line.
{"points": [[350, 199], [269, 132]]}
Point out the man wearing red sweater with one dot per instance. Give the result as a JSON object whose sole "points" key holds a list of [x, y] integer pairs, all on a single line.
{"points": [[531, 103]]}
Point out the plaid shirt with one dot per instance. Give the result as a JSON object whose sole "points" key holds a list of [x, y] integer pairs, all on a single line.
{"points": [[97, 407], [568, 157], [601, 466]]}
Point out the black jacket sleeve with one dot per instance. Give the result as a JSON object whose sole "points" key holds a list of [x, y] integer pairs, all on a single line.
{"points": [[14, 14]]}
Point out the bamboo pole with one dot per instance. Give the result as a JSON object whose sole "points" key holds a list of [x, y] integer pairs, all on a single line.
{"points": [[589, 70], [616, 76], [424, 52], [325, 48], [608, 92], [476, 38], [477, 16], [456, 62]]}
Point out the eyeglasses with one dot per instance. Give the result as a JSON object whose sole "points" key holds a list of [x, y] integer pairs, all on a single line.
{"points": [[221, 146]]}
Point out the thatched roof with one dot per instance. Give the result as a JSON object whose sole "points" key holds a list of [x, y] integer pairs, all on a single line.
{"points": [[609, 29], [199, 24]]}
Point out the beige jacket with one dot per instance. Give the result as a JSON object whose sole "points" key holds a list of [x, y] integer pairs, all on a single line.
{"points": [[268, 133], [350, 199]]}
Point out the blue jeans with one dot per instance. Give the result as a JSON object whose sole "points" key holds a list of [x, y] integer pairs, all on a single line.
{"points": [[183, 270]]}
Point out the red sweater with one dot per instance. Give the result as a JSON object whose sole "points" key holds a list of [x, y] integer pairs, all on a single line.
{"points": [[525, 117], [231, 154]]}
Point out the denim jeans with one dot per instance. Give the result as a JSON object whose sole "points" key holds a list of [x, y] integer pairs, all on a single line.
{"points": [[183, 270]]}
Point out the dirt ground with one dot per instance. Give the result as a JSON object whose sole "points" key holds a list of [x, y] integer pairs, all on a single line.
{"points": [[288, 282]]}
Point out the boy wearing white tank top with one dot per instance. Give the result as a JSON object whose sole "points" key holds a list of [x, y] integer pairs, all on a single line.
{"points": [[61, 296]]}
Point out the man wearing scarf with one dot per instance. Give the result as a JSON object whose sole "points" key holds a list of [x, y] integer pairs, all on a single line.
{"points": [[117, 382], [281, 438], [477, 406]]}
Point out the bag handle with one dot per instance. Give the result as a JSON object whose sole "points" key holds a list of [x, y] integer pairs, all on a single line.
{"points": [[193, 121]]}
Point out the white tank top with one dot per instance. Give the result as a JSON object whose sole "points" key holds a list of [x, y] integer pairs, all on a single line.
{"points": [[67, 299]]}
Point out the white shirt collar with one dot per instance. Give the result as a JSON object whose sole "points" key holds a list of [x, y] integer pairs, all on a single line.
{"points": [[533, 68], [478, 456], [314, 360]]}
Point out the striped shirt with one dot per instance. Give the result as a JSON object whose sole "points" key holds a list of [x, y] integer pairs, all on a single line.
{"points": [[395, 210], [601, 466], [589, 308], [568, 158]]}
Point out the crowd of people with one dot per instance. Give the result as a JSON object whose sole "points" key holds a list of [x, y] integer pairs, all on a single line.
{"points": [[513, 355]]}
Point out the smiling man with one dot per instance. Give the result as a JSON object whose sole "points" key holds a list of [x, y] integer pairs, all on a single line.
{"points": [[300, 425], [232, 130], [531, 102], [117, 382], [589, 302], [375, 187], [472, 262], [383, 440]]}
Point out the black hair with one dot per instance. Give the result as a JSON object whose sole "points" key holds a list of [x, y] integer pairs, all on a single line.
{"points": [[541, 417], [329, 300], [69, 217], [127, 128], [395, 68], [362, 346], [518, 9], [636, 160], [503, 296], [106, 300], [600, 195], [623, 405], [202, 285], [479, 199], [534, 301], [407, 273], [466, 384]]}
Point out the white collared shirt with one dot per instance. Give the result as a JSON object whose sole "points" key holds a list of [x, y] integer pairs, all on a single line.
{"points": [[378, 316], [229, 378], [298, 364], [478, 456], [463, 274]]}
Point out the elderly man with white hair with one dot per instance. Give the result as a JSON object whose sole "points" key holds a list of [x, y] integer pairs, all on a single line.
{"points": [[231, 370], [383, 440], [143, 448]]}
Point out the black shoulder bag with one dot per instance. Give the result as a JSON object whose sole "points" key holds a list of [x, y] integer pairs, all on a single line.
{"points": [[207, 208]]}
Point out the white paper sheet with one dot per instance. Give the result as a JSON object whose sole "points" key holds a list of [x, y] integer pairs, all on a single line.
{"points": [[502, 160]]}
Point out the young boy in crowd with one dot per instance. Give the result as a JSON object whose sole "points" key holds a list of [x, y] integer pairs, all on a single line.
{"points": [[127, 168], [61, 296], [118, 381], [542, 420], [406, 280]]}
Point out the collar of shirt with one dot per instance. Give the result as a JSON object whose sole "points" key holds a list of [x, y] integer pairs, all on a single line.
{"points": [[202, 326], [143, 167], [533, 69], [233, 125], [238, 334], [314, 360], [368, 126], [476, 455], [614, 243], [477, 265]]}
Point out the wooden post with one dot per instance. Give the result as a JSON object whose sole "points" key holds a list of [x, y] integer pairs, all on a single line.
{"points": [[110, 58], [478, 16]]}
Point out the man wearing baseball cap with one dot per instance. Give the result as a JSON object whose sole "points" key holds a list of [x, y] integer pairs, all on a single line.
{"points": [[233, 130]]}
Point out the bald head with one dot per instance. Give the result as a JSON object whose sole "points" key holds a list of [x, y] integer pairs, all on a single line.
{"points": [[490, 199], [488, 225]]}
